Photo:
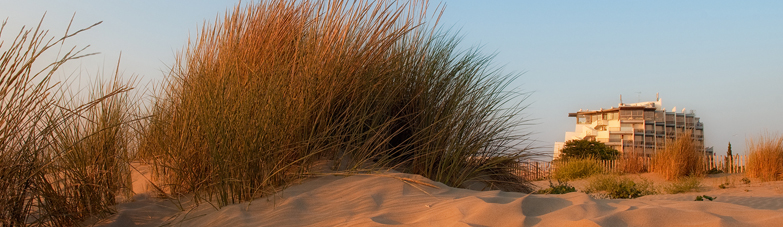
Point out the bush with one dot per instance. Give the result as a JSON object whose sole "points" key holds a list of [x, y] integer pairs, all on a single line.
{"points": [[618, 187], [679, 158], [582, 149], [576, 169], [562, 187], [686, 184], [765, 160], [264, 93]]}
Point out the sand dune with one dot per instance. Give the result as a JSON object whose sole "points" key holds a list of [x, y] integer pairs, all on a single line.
{"points": [[375, 200]]}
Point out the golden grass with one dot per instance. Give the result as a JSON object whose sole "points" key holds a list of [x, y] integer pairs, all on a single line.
{"points": [[260, 95], [631, 163], [765, 159], [60, 162], [679, 158], [574, 168]]}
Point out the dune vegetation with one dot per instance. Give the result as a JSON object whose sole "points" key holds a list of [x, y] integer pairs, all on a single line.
{"points": [[251, 104], [62, 159], [765, 159], [259, 96], [679, 158]]}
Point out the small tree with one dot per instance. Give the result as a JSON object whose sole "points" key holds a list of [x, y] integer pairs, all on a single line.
{"points": [[588, 149], [729, 159]]}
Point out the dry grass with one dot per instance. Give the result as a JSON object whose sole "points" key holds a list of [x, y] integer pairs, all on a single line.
{"points": [[60, 162], [679, 158], [765, 159], [631, 163], [573, 169], [260, 95]]}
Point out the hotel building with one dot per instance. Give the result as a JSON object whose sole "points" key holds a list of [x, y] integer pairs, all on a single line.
{"points": [[641, 128]]}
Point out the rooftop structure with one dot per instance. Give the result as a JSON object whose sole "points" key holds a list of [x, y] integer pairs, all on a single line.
{"points": [[640, 128]]}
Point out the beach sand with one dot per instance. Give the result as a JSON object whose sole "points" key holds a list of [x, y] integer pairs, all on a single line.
{"points": [[397, 199]]}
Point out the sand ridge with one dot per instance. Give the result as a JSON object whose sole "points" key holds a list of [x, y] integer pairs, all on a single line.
{"points": [[385, 200]]}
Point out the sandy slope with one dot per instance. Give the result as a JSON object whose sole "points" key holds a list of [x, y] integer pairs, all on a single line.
{"points": [[384, 200]]}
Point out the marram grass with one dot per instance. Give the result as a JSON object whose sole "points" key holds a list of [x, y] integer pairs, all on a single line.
{"points": [[765, 159], [679, 158], [262, 93], [61, 162]]}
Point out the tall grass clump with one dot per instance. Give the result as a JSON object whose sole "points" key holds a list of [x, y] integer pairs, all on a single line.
{"points": [[679, 158], [38, 184], [572, 169], [261, 94], [765, 159], [632, 163], [93, 150]]}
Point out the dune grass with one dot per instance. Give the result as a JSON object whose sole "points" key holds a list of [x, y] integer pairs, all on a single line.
{"points": [[685, 184], [60, 161], [765, 159], [573, 169], [632, 163], [261, 94], [679, 158], [620, 187]]}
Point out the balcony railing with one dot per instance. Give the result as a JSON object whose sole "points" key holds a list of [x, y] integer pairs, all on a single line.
{"points": [[615, 140]]}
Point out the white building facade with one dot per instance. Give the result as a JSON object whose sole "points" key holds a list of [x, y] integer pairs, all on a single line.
{"points": [[641, 128]]}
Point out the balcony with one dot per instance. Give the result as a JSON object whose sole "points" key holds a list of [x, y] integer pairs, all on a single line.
{"points": [[620, 130]]}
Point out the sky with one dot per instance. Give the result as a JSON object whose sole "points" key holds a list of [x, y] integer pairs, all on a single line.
{"points": [[721, 59]]}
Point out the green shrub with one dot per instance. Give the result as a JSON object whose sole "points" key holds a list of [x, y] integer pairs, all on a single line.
{"points": [[583, 149], [745, 180], [576, 169], [686, 184], [562, 187], [618, 187], [701, 198]]}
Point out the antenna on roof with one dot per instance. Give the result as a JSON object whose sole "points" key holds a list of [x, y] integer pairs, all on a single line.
{"points": [[638, 96], [657, 98], [621, 99]]}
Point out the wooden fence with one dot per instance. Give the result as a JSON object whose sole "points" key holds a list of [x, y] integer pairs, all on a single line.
{"points": [[539, 170]]}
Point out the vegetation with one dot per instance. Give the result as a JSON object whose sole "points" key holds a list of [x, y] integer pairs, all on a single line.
{"points": [[273, 87], [576, 169], [632, 163], [701, 198], [581, 149], [729, 160], [619, 187], [61, 161], [679, 158], [562, 187], [686, 184], [765, 159]]}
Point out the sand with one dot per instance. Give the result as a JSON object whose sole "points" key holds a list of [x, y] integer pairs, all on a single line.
{"points": [[389, 199]]}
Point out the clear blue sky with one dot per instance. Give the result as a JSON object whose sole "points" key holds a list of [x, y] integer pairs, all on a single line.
{"points": [[722, 59]]}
